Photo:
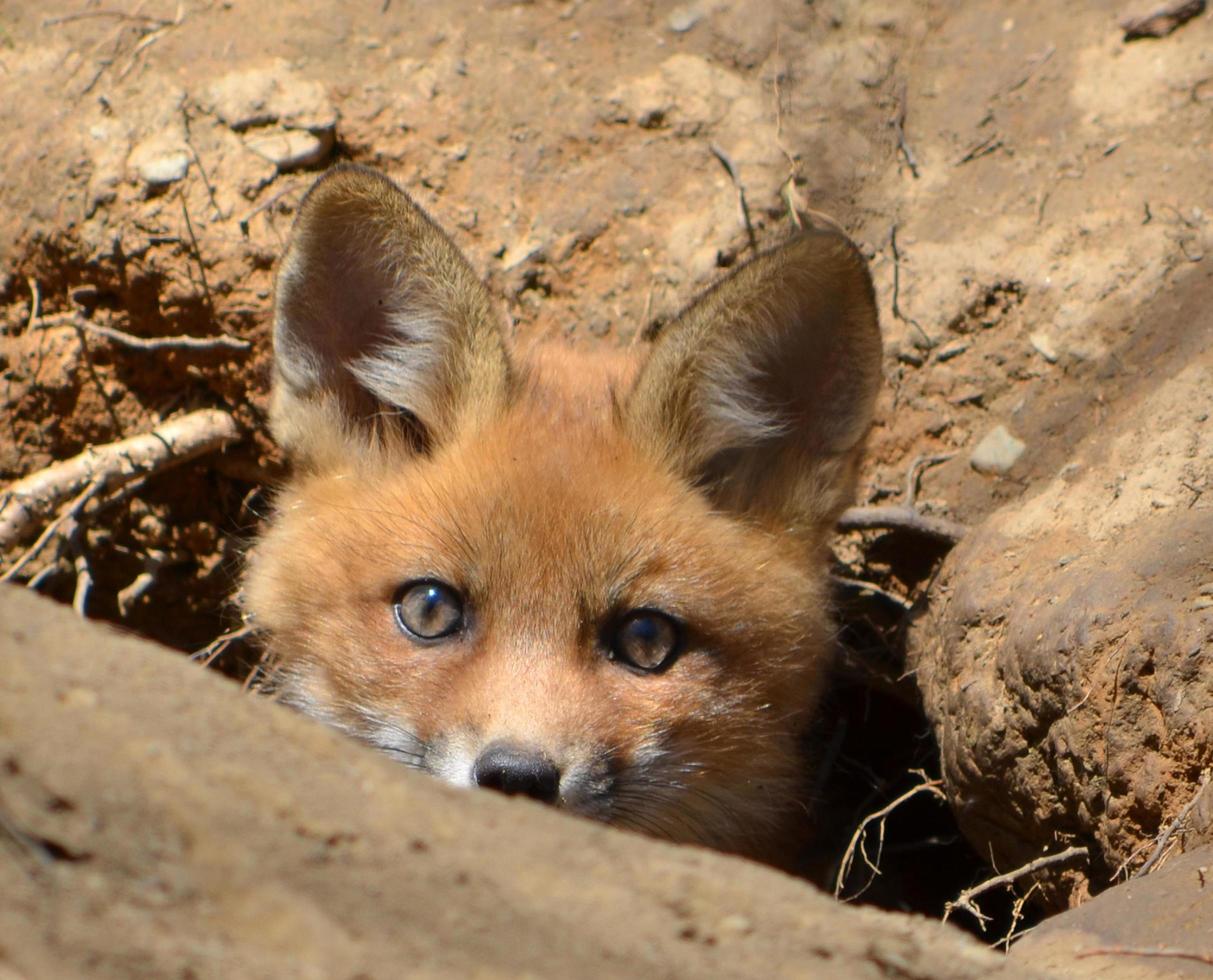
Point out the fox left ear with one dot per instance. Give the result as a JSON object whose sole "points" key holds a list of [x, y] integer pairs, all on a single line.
{"points": [[383, 334], [762, 391]]}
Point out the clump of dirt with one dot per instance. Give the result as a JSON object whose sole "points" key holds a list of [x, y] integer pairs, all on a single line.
{"points": [[600, 163]]}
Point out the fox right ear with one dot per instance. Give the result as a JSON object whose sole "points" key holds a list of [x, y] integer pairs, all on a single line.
{"points": [[382, 331], [762, 391]]}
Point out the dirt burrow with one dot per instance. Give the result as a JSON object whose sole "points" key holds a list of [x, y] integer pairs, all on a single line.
{"points": [[1019, 177]]}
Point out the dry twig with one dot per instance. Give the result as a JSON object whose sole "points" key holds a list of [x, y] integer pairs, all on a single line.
{"points": [[965, 899], [1160, 845], [1161, 952], [742, 205], [216, 648], [35, 497], [35, 303], [898, 517], [116, 14], [927, 341], [899, 128], [69, 513], [858, 839]]}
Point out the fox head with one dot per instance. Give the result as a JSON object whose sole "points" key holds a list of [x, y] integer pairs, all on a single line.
{"points": [[596, 581]]}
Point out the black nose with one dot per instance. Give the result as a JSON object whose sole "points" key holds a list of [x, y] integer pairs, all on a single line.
{"points": [[513, 770]]}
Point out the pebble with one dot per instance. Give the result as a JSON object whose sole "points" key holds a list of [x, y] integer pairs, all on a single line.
{"points": [[1044, 347], [683, 19], [160, 171], [271, 94], [951, 350], [997, 452], [291, 148]]}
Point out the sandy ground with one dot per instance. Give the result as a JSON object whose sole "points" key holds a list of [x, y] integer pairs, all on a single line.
{"points": [[1032, 192]]}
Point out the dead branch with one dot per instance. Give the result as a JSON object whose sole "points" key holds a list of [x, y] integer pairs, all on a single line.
{"points": [[177, 342], [899, 129], [152, 562], [69, 513], [1169, 832], [858, 839], [34, 498], [35, 303], [898, 517], [897, 291], [980, 149], [181, 342], [919, 466], [216, 648], [862, 585], [116, 14], [965, 899], [84, 574], [742, 204], [1162, 952]]}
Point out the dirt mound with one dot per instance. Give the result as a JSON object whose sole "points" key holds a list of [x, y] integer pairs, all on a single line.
{"points": [[1032, 193], [166, 844]]}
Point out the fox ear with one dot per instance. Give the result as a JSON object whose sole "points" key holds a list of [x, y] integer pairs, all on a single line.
{"points": [[762, 391], [382, 331]]}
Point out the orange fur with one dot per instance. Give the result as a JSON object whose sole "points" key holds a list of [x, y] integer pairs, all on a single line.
{"points": [[553, 493]]}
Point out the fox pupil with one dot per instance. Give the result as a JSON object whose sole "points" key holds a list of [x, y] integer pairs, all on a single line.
{"points": [[429, 610], [646, 639]]}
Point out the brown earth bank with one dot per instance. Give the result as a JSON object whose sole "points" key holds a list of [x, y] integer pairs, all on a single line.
{"points": [[1032, 192], [169, 826]]}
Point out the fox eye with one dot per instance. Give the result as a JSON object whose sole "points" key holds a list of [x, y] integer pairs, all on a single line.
{"points": [[646, 639], [428, 609]]}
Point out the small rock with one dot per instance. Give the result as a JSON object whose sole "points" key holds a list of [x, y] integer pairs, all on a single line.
{"points": [[271, 94], [997, 452], [160, 171], [292, 148], [1044, 347], [1202, 603], [954, 349], [683, 19]]}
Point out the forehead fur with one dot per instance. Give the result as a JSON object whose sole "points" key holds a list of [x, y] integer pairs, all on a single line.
{"points": [[547, 516]]}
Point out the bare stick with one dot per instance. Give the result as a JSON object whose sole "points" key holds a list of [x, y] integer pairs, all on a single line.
{"points": [[897, 291], [184, 342], [862, 585], [965, 899], [189, 226], [34, 498], [35, 303], [899, 128], [84, 575], [70, 512], [725, 162], [153, 561], [1162, 952], [914, 473], [213, 650], [897, 517], [265, 206], [1175, 824], [856, 844], [118, 14]]}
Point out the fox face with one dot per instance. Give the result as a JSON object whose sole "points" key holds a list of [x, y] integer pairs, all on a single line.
{"points": [[595, 580]]}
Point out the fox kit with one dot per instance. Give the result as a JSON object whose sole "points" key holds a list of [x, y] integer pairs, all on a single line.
{"points": [[598, 581]]}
